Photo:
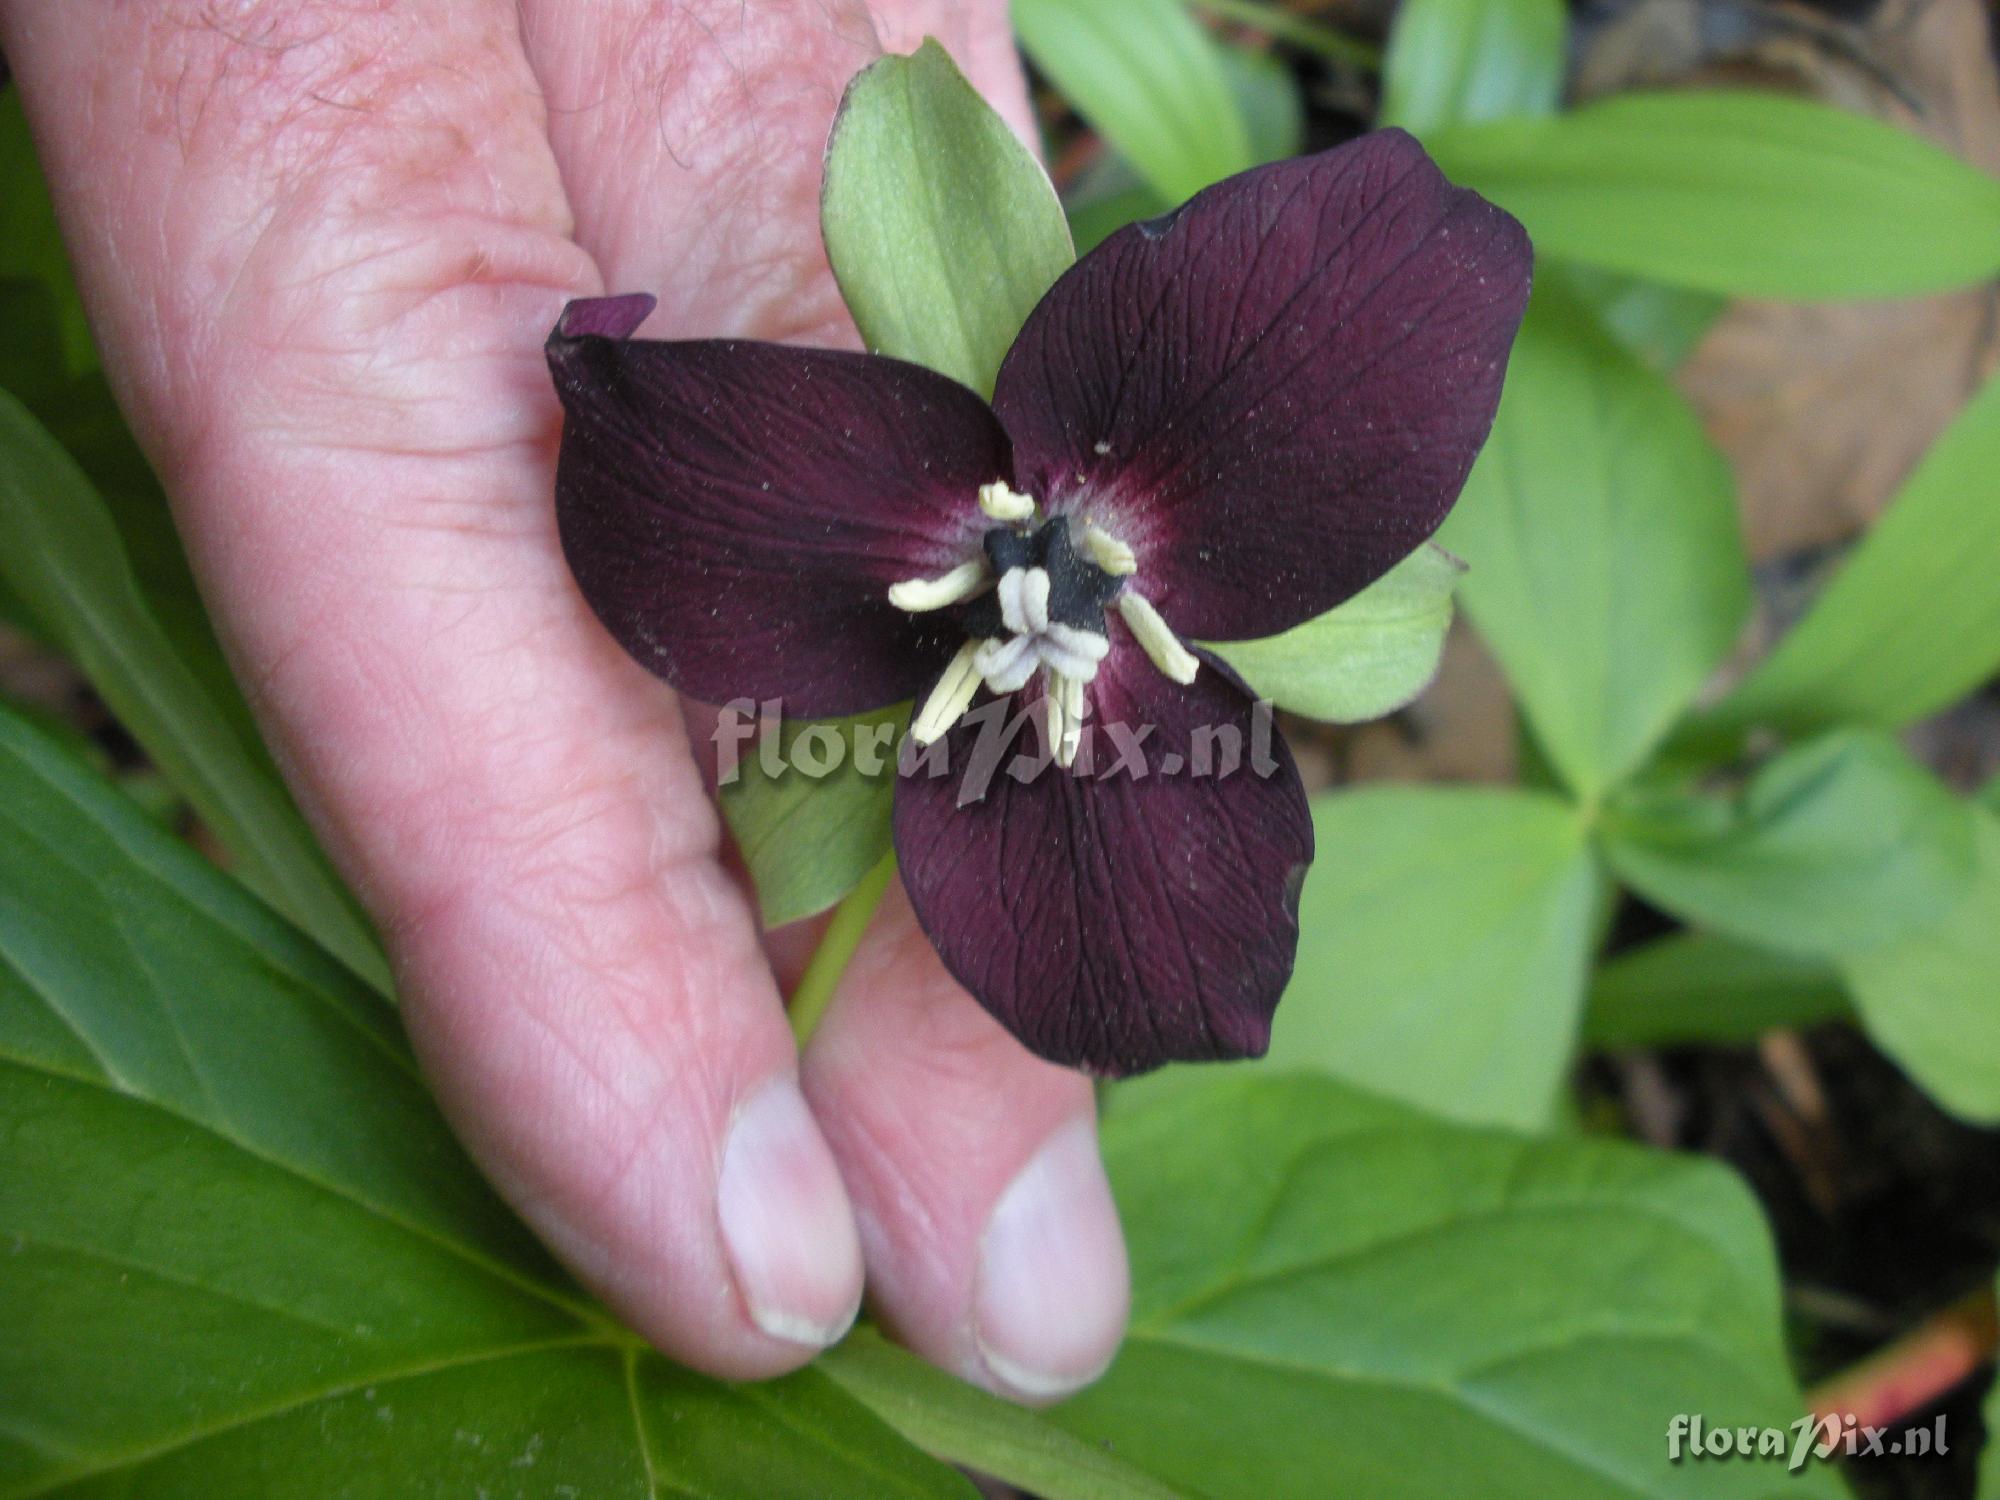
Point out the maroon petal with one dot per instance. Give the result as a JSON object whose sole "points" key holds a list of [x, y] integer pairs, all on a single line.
{"points": [[1115, 920], [735, 512], [1274, 393]]}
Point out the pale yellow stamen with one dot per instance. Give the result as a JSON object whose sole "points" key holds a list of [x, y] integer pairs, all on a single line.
{"points": [[1004, 503], [1160, 643], [920, 594], [950, 698], [1067, 732], [1110, 554]]}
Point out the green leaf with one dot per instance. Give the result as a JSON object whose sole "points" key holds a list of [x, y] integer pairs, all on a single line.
{"points": [[31, 249], [62, 554], [1150, 79], [244, 1255], [1275, 20], [1461, 62], [1267, 93], [1443, 937], [944, 1416], [1111, 194], [85, 419], [1362, 659], [1929, 999], [1334, 1296], [1749, 194], [1457, 62], [31, 366], [942, 228], [1834, 847], [809, 838], [1700, 987], [1660, 324], [1911, 623], [1600, 525], [31, 357]]}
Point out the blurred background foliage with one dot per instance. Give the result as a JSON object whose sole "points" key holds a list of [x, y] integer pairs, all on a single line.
{"points": [[1643, 1055]]}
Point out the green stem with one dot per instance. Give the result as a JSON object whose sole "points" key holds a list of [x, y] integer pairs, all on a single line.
{"points": [[1311, 35], [830, 958]]}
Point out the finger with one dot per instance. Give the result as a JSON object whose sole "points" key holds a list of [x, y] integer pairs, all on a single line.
{"points": [[322, 244], [691, 139], [992, 1242], [692, 145]]}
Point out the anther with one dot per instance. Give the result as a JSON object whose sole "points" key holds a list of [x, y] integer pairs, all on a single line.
{"points": [[950, 698], [1160, 643], [1110, 554], [1070, 689], [1004, 503], [918, 595], [1065, 733]]}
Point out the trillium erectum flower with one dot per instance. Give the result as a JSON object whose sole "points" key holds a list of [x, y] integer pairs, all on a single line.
{"points": [[1214, 427]]}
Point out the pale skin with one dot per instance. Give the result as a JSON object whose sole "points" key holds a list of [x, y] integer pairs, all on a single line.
{"points": [[321, 243]]}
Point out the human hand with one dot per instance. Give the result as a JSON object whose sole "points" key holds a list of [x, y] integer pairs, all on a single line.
{"points": [[322, 243]]}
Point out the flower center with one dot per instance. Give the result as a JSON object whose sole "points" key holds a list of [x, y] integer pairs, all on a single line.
{"points": [[1035, 603]]}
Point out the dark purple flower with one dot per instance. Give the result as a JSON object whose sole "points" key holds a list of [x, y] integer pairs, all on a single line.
{"points": [[1216, 426]]}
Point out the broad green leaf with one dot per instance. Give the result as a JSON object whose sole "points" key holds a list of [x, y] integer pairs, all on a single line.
{"points": [[1267, 93], [1700, 987], [1457, 62], [85, 419], [1911, 623], [1600, 527], [1461, 62], [1750, 194], [808, 805], [1111, 194], [31, 365], [1362, 659], [1106, 196], [14, 611], [1660, 324], [1150, 79], [1275, 19], [62, 554], [944, 1416], [31, 356], [31, 249], [1834, 847], [942, 228], [1334, 1296], [243, 1254], [1443, 937], [1932, 999]]}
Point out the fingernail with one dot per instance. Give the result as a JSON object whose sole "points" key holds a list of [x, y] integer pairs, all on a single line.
{"points": [[786, 1221], [1052, 1293]]}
